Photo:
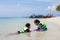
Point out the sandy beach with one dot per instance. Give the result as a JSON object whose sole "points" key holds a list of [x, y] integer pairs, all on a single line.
{"points": [[53, 32]]}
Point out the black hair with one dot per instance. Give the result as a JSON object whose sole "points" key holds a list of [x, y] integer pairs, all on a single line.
{"points": [[36, 21], [28, 24]]}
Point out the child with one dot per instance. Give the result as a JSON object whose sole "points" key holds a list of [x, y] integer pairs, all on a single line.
{"points": [[41, 26], [25, 29]]}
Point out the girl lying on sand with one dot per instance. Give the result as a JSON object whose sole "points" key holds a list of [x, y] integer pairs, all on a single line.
{"points": [[25, 29]]}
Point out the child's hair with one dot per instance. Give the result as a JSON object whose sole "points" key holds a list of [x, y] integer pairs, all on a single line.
{"points": [[36, 21], [28, 24]]}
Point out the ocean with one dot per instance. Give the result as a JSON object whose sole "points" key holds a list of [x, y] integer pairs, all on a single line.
{"points": [[10, 25]]}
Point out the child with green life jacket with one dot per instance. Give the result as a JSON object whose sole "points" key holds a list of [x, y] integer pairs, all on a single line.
{"points": [[25, 29], [40, 26]]}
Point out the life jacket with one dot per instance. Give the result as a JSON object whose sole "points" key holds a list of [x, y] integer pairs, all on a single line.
{"points": [[23, 30], [42, 26]]}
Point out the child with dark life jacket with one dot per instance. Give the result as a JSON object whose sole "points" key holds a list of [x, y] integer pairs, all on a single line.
{"points": [[41, 26], [25, 29]]}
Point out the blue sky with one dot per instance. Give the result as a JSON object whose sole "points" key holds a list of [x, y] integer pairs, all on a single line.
{"points": [[21, 8]]}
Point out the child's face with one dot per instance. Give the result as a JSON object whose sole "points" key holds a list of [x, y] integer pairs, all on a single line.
{"points": [[36, 23], [29, 27]]}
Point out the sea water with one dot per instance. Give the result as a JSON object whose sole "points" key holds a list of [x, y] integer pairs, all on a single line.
{"points": [[10, 25]]}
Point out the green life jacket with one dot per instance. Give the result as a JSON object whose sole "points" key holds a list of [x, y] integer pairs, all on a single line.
{"points": [[43, 25], [23, 30]]}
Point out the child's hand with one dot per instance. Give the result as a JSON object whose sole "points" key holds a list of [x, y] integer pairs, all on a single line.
{"points": [[34, 30]]}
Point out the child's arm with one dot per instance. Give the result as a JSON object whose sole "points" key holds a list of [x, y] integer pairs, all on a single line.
{"points": [[38, 29]]}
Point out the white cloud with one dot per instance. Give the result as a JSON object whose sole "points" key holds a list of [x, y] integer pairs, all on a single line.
{"points": [[53, 7]]}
